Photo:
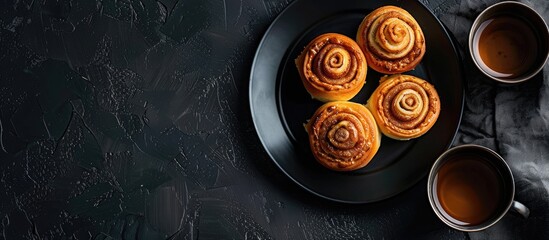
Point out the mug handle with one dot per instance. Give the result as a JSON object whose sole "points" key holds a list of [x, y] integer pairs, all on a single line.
{"points": [[520, 209]]}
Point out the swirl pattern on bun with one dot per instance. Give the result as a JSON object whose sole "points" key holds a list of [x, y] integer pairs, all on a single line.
{"points": [[391, 39], [404, 106], [343, 136], [332, 67]]}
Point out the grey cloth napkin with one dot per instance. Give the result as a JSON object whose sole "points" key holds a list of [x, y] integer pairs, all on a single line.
{"points": [[513, 120]]}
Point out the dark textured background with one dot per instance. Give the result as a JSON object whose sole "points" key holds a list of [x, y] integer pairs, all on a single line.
{"points": [[130, 120]]}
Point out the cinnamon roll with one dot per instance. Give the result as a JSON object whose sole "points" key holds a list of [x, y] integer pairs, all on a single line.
{"points": [[391, 39], [343, 135], [332, 67], [404, 106]]}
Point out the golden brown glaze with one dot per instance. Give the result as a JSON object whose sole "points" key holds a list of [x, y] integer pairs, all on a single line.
{"points": [[343, 136], [404, 106], [332, 67], [391, 39]]}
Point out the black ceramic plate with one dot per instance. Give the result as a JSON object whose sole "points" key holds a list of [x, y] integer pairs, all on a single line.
{"points": [[280, 104]]}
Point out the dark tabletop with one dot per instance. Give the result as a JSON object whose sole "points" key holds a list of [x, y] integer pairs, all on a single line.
{"points": [[128, 119]]}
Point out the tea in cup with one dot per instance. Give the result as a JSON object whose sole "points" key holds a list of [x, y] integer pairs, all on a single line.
{"points": [[471, 187], [509, 42]]}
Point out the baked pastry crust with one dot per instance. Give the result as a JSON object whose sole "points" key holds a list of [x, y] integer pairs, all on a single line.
{"points": [[404, 106], [343, 136], [332, 67], [391, 39]]}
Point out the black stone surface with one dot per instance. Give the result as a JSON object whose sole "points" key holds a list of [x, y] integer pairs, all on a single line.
{"points": [[128, 119]]}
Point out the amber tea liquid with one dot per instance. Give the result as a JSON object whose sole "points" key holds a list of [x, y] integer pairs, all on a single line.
{"points": [[505, 46], [469, 190]]}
